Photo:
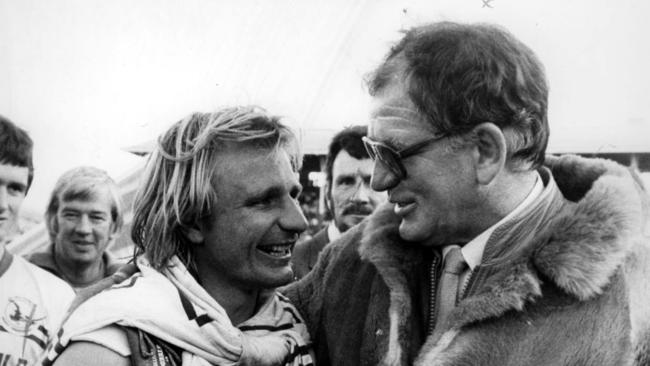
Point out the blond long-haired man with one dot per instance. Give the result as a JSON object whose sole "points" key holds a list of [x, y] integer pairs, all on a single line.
{"points": [[215, 221]]}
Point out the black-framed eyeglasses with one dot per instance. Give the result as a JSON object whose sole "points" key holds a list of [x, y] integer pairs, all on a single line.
{"points": [[393, 158]]}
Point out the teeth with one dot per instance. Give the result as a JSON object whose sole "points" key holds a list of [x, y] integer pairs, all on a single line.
{"points": [[277, 250]]}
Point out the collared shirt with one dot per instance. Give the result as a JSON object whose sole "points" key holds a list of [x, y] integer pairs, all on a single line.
{"points": [[333, 232], [473, 251], [45, 259]]}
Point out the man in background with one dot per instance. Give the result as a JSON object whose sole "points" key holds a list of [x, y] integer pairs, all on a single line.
{"points": [[83, 217], [32, 301], [348, 195]]}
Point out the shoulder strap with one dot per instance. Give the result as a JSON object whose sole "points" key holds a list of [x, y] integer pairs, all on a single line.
{"points": [[147, 350]]}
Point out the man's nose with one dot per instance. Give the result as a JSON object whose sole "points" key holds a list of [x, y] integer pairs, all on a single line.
{"points": [[4, 199], [293, 219], [83, 226], [382, 177], [361, 192]]}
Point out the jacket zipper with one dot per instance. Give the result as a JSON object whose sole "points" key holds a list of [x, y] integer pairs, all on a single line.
{"points": [[433, 294], [468, 280]]}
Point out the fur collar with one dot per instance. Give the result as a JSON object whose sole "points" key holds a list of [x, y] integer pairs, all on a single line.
{"points": [[579, 250]]}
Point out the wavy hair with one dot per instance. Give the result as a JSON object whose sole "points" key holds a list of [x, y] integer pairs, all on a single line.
{"points": [[16, 147], [461, 75], [82, 183], [177, 187]]}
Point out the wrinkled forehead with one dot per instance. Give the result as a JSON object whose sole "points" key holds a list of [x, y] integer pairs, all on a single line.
{"points": [[393, 114], [88, 192], [10, 173], [348, 165], [264, 148]]}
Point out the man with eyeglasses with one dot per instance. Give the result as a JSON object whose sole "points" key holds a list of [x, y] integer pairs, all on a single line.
{"points": [[489, 252]]}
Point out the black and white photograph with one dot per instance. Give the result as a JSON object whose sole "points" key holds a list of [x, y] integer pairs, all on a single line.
{"points": [[300, 183]]}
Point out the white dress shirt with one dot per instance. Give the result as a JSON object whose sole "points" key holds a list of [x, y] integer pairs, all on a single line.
{"points": [[473, 251], [333, 232]]}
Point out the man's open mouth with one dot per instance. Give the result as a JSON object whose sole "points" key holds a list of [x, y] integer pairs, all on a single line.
{"points": [[279, 251]]}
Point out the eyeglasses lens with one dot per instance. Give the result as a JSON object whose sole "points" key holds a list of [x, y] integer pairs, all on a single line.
{"points": [[386, 155]]}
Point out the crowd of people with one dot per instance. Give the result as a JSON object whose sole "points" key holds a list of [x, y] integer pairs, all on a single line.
{"points": [[454, 238]]}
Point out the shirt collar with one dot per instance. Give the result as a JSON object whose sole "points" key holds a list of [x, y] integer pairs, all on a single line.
{"points": [[473, 250], [333, 232]]}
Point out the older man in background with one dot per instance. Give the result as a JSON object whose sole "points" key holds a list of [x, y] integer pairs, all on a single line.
{"points": [[83, 217], [348, 195], [32, 301]]}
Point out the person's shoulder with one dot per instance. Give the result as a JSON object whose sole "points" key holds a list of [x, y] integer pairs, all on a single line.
{"points": [[342, 251], [113, 264], [85, 353], [42, 257], [43, 278], [315, 244], [349, 240], [56, 295]]}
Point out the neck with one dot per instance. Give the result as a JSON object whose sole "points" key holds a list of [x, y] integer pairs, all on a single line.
{"points": [[80, 274], [240, 303], [515, 191], [502, 199]]}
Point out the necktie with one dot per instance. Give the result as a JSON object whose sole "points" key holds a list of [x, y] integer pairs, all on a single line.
{"points": [[453, 266]]}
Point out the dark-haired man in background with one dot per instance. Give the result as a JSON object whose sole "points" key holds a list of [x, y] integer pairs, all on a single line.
{"points": [[32, 301], [348, 196]]}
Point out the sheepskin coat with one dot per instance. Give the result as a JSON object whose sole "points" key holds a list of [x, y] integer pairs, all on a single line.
{"points": [[564, 283]]}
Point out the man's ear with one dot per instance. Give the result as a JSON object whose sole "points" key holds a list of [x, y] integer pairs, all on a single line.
{"points": [[491, 151], [115, 230], [328, 200], [53, 227], [194, 234]]}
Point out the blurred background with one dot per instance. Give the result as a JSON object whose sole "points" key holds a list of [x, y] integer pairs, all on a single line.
{"points": [[95, 82]]}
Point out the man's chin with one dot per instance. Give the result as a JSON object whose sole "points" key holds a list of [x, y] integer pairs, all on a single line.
{"points": [[277, 279], [411, 232]]}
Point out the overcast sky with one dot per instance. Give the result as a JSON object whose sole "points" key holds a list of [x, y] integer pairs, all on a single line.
{"points": [[87, 78]]}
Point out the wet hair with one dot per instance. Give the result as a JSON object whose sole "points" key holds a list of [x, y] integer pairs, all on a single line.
{"points": [[177, 187], [461, 75], [83, 183], [16, 147]]}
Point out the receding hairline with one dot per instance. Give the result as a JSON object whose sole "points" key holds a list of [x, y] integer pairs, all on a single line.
{"points": [[87, 193]]}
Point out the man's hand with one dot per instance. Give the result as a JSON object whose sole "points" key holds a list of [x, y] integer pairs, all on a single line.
{"points": [[269, 350]]}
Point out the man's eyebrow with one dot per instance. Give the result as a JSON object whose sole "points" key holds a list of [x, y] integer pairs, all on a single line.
{"points": [[17, 185], [344, 176], [97, 212], [270, 192]]}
